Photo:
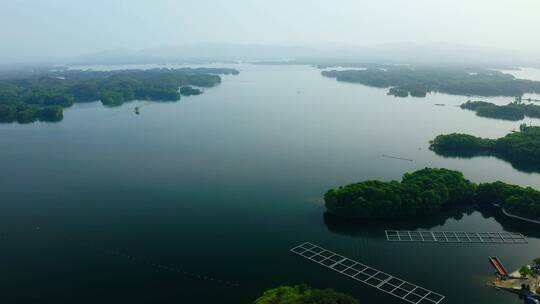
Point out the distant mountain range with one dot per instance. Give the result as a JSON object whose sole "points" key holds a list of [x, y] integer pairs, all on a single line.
{"points": [[198, 53], [439, 53]]}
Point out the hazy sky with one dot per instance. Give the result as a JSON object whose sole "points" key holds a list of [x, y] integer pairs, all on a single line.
{"points": [[71, 27]]}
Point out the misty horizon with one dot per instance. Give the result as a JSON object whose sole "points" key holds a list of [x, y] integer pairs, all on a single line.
{"points": [[61, 30]]}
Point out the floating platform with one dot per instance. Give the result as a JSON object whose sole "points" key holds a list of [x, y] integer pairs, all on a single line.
{"points": [[455, 237], [370, 276]]}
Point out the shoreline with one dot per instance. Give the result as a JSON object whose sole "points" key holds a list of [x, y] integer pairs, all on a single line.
{"points": [[517, 216], [514, 284]]}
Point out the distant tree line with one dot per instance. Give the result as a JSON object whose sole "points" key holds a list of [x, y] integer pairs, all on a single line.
{"points": [[26, 113], [43, 96], [512, 111], [426, 192], [418, 81], [189, 91], [521, 146]]}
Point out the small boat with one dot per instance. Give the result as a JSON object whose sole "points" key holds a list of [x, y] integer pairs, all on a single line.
{"points": [[137, 111]]}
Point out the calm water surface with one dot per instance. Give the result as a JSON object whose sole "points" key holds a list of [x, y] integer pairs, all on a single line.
{"points": [[525, 73], [199, 201]]}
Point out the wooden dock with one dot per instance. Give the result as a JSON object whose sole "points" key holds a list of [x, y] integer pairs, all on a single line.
{"points": [[497, 264]]}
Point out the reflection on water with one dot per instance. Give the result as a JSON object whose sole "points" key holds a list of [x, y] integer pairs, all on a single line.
{"points": [[355, 227], [523, 166], [524, 73], [366, 228], [509, 224]]}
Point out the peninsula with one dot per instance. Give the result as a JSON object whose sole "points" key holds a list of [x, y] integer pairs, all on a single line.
{"points": [[418, 81], [427, 192], [421, 193], [43, 96], [512, 111], [522, 146]]}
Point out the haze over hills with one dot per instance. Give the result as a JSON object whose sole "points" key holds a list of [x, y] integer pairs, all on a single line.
{"points": [[118, 31], [434, 53]]}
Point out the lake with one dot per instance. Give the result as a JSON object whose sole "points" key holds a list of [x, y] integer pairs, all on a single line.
{"points": [[199, 201]]}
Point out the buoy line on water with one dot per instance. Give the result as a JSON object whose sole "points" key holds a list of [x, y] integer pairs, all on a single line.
{"points": [[397, 157], [134, 259]]}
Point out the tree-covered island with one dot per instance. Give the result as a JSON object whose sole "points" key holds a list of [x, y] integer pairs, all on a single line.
{"points": [[512, 111], [522, 146], [426, 192], [303, 294], [403, 81], [42, 96], [421, 193]]}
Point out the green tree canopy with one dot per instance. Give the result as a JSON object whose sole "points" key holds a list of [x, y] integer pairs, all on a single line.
{"points": [[522, 146], [419, 80], [426, 192], [303, 295], [41, 96], [420, 193]]}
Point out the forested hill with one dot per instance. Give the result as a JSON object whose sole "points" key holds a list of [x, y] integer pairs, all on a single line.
{"points": [[522, 146], [512, 111], [418, 81], [43, 95], [426, 192]]}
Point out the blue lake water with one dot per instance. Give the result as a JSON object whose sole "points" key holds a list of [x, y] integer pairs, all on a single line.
{"points": [[199, 201]]}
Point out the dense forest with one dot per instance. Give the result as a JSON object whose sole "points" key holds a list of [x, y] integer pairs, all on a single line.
{"points": [[512, 111], [418, 81], [189, 91], [426, 192], [303, 294], [521, 146], [42, 96], [421, 193], [522, 201]]}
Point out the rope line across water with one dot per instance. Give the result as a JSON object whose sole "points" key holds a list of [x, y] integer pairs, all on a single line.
{"points": [[137, 260]]}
